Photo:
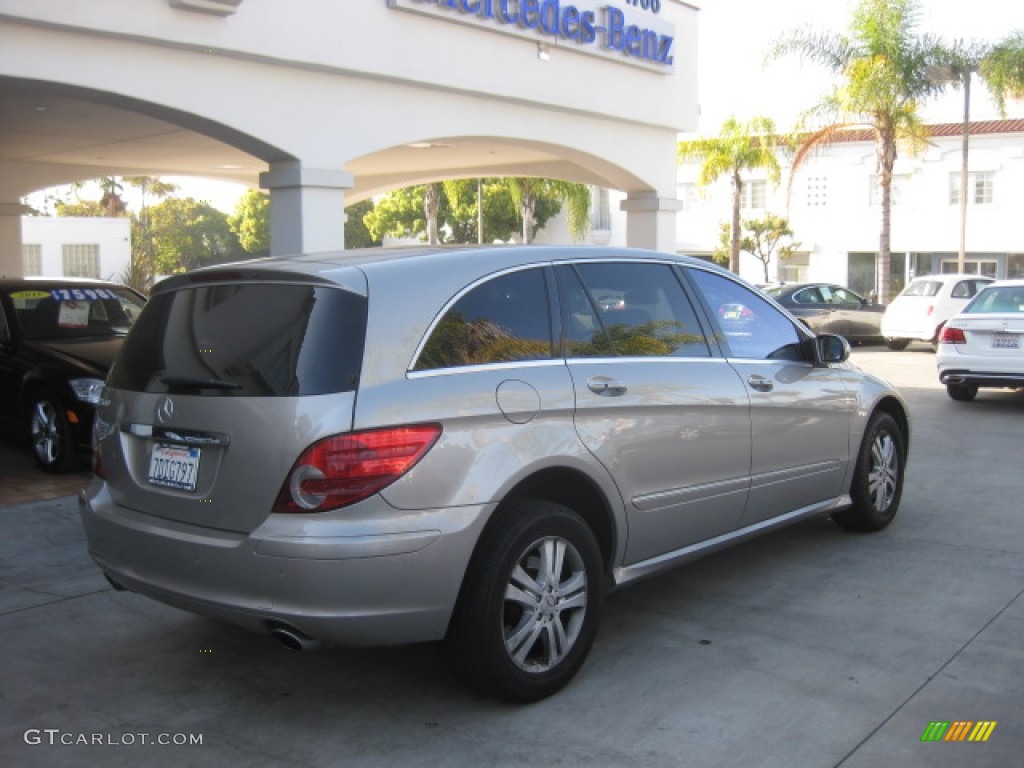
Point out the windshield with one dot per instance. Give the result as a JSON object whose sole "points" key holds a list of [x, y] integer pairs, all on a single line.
{"points": [[48, 312]]}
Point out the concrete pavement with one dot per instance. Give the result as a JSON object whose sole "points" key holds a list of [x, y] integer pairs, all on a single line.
{"points": [[809, 647]]}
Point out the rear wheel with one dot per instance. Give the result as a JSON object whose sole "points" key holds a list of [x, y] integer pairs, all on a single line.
{"points": [[896, 344], [963, 393], [50, 433], [877, 478], [530, 604]]}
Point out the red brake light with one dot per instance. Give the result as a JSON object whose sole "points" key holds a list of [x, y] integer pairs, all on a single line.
{"points": [[952, 336], [343, 469]]}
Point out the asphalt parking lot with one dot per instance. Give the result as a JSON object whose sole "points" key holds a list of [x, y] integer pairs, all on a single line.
{"points": [[809, 647]]}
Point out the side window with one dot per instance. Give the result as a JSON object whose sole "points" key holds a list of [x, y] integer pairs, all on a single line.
{"points": [[505, 319], [808, 296], [628, 310], [963, 290], [843, 296], [751, 327]]}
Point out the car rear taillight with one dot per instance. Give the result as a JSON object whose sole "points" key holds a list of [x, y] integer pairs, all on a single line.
{"points": [[952, 336], [343, 469]]}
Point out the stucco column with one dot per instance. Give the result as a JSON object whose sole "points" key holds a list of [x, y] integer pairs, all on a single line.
{"points": [[307, 208], [10, 239], [650, 221]]}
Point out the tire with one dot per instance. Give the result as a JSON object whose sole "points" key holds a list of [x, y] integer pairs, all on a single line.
{"points": [[878, 477], [517, 634], [963, 393], [897, 345], [50, 433]]}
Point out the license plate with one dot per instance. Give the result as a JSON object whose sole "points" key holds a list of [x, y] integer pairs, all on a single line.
{"points": [[1005, 341], [174, 466]]}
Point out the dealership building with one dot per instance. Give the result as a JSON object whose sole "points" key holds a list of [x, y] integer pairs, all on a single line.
{"points": [[324, 103]]}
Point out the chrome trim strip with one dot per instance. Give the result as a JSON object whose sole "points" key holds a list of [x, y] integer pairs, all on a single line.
{"points": [[690, 493], [629, 573], [485, 367]]}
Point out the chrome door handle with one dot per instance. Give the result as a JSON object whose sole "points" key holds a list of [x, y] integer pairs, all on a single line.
{"points": [[602, 385], [760, 383]]}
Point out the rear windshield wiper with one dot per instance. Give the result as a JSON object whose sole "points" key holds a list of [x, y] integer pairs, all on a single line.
{"points": [[194, 382]]}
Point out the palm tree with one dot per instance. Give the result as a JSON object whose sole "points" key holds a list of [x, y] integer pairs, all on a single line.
{"points": [[884, 66], [140, 272], [739, 147], [431, 207], [111, 200], [575, 197]]}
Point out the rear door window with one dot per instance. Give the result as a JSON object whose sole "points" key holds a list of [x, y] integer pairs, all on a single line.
{"points": [[627, 310], [247, 339], [504, 319]]}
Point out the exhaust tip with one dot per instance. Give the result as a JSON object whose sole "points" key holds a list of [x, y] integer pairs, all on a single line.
{"points": [[292, 639]]}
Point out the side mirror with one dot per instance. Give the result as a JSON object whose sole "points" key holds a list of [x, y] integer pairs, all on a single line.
{"points": [[832, 349]]}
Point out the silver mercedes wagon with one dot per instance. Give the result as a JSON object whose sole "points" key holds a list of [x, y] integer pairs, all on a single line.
{"points": [[471, 446]]}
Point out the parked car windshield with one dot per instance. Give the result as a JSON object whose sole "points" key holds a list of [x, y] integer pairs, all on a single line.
{"points": [[74, 312]]}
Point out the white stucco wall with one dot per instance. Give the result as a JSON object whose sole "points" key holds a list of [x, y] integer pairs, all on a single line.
{"points": [[111, 235]]}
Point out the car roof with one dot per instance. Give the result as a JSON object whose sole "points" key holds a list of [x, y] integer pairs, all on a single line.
{"points": [[946, 278], [483, 259], [9, 283]]}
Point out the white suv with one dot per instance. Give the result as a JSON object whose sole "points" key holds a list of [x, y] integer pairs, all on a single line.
{"points": [[924, 306]]}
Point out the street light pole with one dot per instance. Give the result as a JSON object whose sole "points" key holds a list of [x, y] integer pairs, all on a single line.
{"points": [[950, 74], [961, 258]]}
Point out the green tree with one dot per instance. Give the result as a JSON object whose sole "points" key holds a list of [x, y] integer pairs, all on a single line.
{"points": [[188, 234], [884, 70], [356, 233], [528, 192], [81, 208], [251, 222], [763, 237], [739, 147], [111, 200], [139, 274]]}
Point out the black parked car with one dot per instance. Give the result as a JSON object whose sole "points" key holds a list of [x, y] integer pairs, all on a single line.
{"points": [[829, 308], [57, 340]]}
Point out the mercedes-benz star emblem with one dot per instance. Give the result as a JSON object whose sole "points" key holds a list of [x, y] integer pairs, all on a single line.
{"points": [[165, 410]]}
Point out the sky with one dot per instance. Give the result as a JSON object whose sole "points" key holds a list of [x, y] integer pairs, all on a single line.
{"points": [[733, 36], [733, 79]]}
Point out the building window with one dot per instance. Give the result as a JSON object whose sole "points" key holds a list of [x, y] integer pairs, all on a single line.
{"points": [[32, 259], [817, 191], [600, 209], [687, 194], [754, 194], [980, 187], [81, 260], [897, 190]]}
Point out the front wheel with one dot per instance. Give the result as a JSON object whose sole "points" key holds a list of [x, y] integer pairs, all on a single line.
{"points": [[878, 477], [50, 433], [530, 604]]}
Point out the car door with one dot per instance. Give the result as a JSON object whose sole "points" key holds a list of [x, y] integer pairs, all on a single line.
{"points": [[800, 413], [10, 373], [857, 319], [667, 418]]}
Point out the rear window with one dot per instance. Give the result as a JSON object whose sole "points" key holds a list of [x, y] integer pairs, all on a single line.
{"points": [[245, 340], [1000, 300], [922, 288]]}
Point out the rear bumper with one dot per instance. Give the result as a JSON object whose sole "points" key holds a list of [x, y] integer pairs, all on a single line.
{"points": [[354, 590], [981, 378]]}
